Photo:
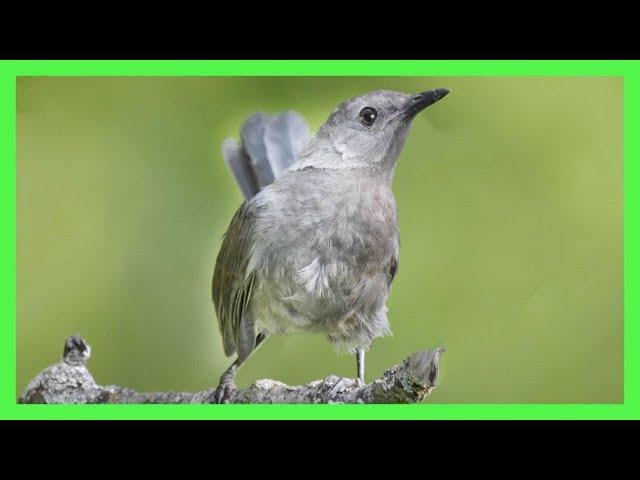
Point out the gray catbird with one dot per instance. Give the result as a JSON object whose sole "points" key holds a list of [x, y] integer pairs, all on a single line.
{"points": [[314, 246]]}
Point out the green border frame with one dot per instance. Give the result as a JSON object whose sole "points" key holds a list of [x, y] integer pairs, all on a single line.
{"points": [[9, 70]]}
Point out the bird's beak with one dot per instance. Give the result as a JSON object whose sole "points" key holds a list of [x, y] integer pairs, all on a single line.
{"points": [[419, 102]]}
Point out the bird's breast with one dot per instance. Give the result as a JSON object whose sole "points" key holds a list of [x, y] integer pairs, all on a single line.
{"points": [[324, 254]]}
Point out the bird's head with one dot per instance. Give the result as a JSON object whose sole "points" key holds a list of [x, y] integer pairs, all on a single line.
{"points": [[370, 130]]}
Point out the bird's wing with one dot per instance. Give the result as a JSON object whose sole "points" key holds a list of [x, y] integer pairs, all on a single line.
{"points": [[232, 285], [270, 144]]}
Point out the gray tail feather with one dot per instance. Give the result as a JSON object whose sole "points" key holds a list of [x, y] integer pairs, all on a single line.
{"points": [[240, 165], [270, 144]]}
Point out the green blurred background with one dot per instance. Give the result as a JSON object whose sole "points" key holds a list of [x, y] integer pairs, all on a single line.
{"points": [[509, 194]]}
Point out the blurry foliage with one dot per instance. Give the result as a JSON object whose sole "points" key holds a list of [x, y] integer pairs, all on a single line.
{"points": [[510, 202]]}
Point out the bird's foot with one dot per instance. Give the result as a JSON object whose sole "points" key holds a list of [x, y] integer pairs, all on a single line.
{"points": [[224, 392], [227, 384]]}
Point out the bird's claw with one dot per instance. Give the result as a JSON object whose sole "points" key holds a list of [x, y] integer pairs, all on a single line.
{"points": [[224, 392]]}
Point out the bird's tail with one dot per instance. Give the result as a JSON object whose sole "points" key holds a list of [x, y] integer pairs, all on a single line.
{"points": [[269, 145]]}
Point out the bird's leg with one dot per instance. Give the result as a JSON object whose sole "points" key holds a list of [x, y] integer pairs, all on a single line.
{"points": [[360, 364], [227, 383]]}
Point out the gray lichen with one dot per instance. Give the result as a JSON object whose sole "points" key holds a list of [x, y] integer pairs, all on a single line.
{"points": [[71, 382]]}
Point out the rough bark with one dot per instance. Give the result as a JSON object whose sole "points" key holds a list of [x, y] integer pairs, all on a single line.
{"points": [[71, 382]]}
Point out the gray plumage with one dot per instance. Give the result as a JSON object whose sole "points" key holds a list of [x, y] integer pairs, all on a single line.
{"points": [[270, 144], [240, 164], [284, 137], [316, 248]]}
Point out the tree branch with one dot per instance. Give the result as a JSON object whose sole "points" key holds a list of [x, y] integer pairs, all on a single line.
{"points": [[71, 382]]}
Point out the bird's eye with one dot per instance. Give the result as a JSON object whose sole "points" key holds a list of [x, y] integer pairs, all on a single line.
{"points": [[368, 115]]}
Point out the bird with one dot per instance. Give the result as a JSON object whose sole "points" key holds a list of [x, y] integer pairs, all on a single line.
{"points": [[314, 246]]}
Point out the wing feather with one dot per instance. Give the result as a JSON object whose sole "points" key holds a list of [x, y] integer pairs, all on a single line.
{"points": [[232, 285]]}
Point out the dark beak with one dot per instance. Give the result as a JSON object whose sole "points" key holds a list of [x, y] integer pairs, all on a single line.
{"points": [[419, 102]]}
